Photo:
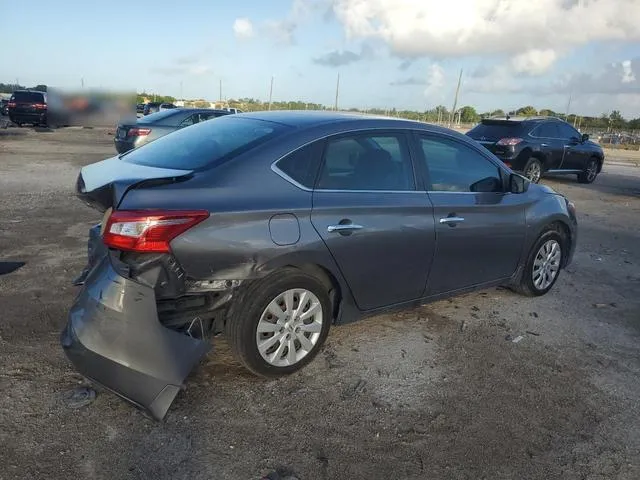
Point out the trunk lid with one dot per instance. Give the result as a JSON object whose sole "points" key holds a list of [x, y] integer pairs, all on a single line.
{"points": [[102, 185]]}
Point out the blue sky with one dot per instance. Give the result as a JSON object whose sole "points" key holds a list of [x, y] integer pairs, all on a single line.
{"points": [[389, 53]]}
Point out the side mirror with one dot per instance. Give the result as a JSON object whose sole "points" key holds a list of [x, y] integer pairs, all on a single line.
{"points": [[518, 183], [487, 185], [585, 137]]}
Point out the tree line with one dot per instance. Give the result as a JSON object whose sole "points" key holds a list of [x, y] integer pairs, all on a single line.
{"points": [[612, 121]]}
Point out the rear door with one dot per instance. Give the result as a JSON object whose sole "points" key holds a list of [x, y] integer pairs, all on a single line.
{"points": [[550, 143], [480, 229], [373, 218]]}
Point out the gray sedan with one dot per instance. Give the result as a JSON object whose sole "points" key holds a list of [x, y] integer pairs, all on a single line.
{"points": [[271, 227], [148, 128]]}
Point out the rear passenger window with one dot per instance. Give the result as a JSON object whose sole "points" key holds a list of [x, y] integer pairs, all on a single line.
{"points": [[302, 164], [367, 162], [547, 130]]}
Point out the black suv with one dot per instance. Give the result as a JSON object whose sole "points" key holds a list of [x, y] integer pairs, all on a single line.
{"points": [[535, 146], [28, 106]]}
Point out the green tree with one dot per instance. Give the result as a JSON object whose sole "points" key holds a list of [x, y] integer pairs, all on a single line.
{"points": [[498, 113], [547, 112], [468, 114], [527, 111], [616, 120]]}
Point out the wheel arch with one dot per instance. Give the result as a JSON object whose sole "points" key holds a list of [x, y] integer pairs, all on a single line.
{"points": [[560, 226], [327, 272]]}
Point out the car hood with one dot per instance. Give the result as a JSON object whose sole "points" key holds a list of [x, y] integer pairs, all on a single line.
{"points": [[102, 185], [543, 188]]}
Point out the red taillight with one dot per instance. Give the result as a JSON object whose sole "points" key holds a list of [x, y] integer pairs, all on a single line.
{"points": [[11, 104], [148, 230], [507, 164], [40, 106], [508, 142], [138, 132]]}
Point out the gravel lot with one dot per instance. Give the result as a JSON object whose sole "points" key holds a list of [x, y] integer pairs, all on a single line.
{"points": [[438, 392]]}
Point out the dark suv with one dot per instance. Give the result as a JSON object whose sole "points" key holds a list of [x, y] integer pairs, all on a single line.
{"points": [[28, 106], [539, 145]]}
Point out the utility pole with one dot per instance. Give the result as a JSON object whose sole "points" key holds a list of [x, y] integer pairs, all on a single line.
{"points": [[270, 92], [220, 92], [337, 91], [82, 82], [181, 96], [455, 100], [566, 115]]}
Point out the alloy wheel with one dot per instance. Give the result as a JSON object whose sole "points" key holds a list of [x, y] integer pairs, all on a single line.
{"points": [[546, 264], [534, 172], [290, 327], [592, 170]]}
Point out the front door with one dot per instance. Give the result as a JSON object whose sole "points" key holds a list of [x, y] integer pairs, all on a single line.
{"points": [[375, 223], [480, 228], [574, 157]]}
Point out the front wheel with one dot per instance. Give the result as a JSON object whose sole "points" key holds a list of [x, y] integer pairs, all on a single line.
{"points": [[543, 265], [533, 170], [590, 172], [280, 323]]}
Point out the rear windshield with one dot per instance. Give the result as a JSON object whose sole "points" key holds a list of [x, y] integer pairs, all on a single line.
{"points": [[28, 97], [495, 130], [205, 143], [158, 116]]}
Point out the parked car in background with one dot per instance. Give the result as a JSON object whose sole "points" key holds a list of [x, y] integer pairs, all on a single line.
{"points": [[166, 106], [537, 146], [233, 110], [140, 108], [156, 125], [28, 106], [151, 107], [4, 107], [270, 227]]}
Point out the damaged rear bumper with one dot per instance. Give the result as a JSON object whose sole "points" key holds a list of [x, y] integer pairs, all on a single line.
{"points": [[114, 338]]}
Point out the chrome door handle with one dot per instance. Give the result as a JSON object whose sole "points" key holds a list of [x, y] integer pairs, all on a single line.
{"points": [[451, 220], [544, 144], [343, 228]]}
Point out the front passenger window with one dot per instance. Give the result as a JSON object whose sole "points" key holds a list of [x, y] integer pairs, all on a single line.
{"points": [[455, 167]]}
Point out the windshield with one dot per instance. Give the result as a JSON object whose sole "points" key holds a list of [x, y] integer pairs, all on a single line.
{"points": [[495, 130], [205, 143]]}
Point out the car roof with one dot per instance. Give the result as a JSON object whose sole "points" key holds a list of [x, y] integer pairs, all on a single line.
{"points": [[517, 119], [309, 118]]}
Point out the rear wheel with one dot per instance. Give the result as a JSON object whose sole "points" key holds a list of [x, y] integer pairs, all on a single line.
{"points": [[543, 265], [280, 323], [533, 170], [590, 172]]}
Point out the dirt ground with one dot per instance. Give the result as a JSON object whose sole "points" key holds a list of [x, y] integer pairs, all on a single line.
{"points": [[441, 392]]}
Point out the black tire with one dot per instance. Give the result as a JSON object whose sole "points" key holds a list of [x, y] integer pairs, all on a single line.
{"points": [[244, 316], [533, 167], [526, 285], [590, 171]]}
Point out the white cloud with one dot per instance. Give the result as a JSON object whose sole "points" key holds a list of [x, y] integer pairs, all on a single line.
{"points": [[532, 32], [628, 75], [243, 28], [435, 82], [533, 62]]}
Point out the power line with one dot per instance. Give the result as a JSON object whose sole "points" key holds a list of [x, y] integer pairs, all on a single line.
{"points": [[452, 115], [337, 91], [270, 92]]}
